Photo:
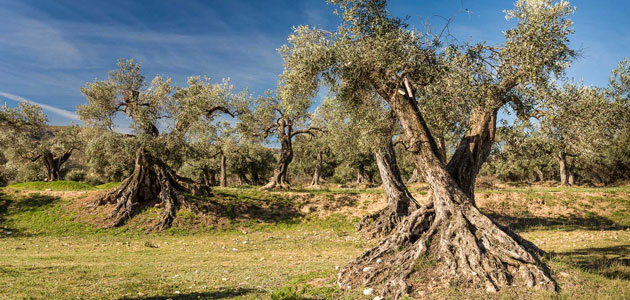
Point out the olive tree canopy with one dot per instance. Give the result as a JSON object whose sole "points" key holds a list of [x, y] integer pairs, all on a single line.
{"points": [[162, 117], [376, 52]]}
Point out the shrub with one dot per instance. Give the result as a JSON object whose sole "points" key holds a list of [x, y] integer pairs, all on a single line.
{"points": [[76, 175]]}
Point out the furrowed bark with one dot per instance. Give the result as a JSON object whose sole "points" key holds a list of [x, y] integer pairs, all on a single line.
{"points": [[279, 178], [400, 202], [468, 247], [151, 181], [53, 164], [562, 162], [318, 170]]}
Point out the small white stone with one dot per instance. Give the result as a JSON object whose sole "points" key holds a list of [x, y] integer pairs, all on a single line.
{"points": [[378, 298], [224, 279], [368, 291], [378, 261], [367, 269], [177, 292], [336, 267], [234, 249], [244, 242]]}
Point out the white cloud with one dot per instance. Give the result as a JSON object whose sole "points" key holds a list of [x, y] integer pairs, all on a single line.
{"points": [[38, 40], [56, 110]]}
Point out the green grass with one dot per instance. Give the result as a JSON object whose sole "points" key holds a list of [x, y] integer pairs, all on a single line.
{"points": [[59, 186], [47, 254], [52, 186], [107, 186]]}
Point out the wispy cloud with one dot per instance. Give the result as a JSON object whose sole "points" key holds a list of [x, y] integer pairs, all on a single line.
{"points": [[40, 41], [56, 110]]}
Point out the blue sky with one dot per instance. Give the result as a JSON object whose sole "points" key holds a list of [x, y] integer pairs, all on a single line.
{"points": [[49, 49]]}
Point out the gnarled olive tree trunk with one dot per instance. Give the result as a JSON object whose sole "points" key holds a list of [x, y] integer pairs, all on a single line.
{"points": [[151, 181], [279, 178], [566, 173], [53, 164], [467, 247], [415, 177], [318, 170], [400, 202], [209, 177]]}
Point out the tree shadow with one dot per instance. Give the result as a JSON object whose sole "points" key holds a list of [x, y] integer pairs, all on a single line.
{"points": [[611, 262], [592, 222], [225, 293], [28, 203], [271, 208]]}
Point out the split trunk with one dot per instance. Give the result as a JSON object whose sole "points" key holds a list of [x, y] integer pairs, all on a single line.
{"points": [[468, 248], [400, 202], [53, 164], [279, 178]]}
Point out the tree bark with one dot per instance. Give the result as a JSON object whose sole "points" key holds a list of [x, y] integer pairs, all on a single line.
{"points": [[361, 176], [562, 162], [539, 174], [468, 247], [318, 170], [151, 181], [242, 178], [474, 148], [53, 164], [400, 202], [223, 178], [279, 178], [415, 177], [209, 177]]}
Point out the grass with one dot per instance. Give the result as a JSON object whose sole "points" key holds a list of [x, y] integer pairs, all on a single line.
{"points": [[47, 254], [59, 186]]}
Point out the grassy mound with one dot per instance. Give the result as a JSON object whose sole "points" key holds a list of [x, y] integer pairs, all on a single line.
{"points": [[51, 186]]}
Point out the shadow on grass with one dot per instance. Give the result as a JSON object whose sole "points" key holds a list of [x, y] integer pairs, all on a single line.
{"points": [[242, 206], [610, 262], [29, 203], [218, 294], [593, 222]]}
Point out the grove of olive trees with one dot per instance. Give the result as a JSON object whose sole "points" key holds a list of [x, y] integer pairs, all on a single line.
{"points": [[413, 112]]}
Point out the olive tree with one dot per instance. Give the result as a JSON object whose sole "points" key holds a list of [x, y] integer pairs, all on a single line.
{"points": [[25, 122], [574, 121], [110, 155], [251, 163], [53, 148], [370, 127], [161, 115], [374, 51], [287, 116], [32, 140]]}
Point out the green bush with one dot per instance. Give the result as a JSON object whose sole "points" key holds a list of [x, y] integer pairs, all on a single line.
{"points": [[76, 175], [94, 180]]}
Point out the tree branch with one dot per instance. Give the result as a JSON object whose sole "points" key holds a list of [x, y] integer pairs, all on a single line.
{"points": [[222, 109], [310, 131]]}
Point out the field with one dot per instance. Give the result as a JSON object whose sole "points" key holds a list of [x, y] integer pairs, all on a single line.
{"points": [[281, 245]]}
